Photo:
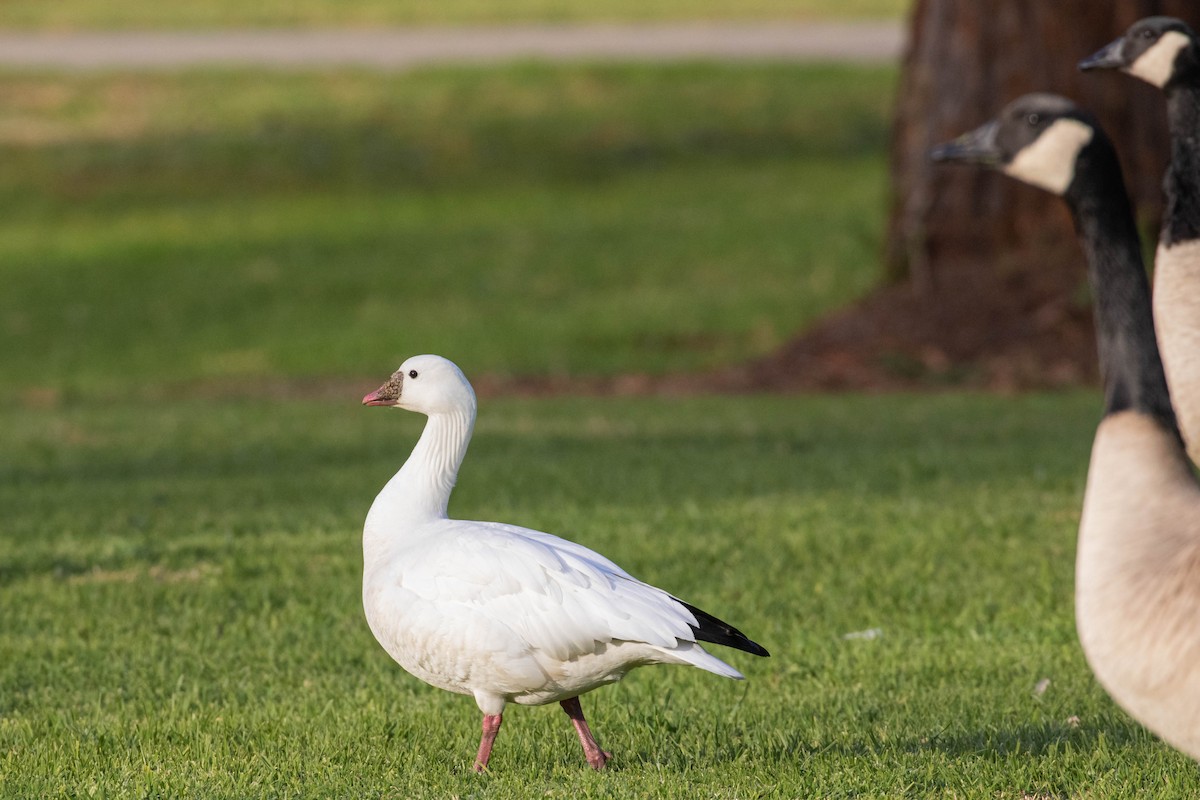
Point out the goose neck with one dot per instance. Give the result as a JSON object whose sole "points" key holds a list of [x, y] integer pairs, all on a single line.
{"points": [[422, 487], [1182, 182], [1129, 360]]}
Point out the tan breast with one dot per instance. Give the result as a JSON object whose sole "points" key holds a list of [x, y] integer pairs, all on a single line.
{"points": [[1177, 325], [1137, 592]]}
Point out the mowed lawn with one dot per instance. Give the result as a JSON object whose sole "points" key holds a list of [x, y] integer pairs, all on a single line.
{"points": [[145, 14], [182, 613], [527, 219], [179, 527]]}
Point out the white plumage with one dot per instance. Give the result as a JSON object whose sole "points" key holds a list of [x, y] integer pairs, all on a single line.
{"points": [[503, 613]]}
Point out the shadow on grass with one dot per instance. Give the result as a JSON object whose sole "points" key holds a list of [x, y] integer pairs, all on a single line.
{"points": [[736, 744], [1031, 739], [447, 127]]}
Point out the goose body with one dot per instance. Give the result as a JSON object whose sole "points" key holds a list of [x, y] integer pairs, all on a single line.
{"points": [[1177, 319], [499, 612], [1137, 576], [1137, 573], [1165, 53]]}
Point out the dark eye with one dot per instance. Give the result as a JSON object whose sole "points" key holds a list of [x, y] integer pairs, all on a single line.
{"points": [[1149, 34], [1033, 119], [412, 373]]}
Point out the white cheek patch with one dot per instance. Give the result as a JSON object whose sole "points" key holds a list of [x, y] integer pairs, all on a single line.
{"points": [[1156, 64], [1049, 162]]}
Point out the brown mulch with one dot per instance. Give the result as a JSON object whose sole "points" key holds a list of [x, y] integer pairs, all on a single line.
{"points": [[984, 329], [1024, 330]]}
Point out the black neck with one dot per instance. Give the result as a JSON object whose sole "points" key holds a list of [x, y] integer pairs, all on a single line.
{"points": [[1182, 182], [1129, 361]]}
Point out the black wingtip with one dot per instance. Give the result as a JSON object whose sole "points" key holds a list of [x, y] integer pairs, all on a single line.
{"points": [[711, 629]]}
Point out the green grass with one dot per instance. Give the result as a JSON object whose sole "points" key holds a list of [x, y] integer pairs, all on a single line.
{"points": [[144, 14], [232, 227], [182, 615], [180, 576]]}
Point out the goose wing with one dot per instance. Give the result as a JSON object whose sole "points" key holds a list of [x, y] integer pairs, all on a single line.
{"points": [[556, 598]]}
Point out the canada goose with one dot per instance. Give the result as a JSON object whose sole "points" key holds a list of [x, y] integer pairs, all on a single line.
{"points": [[1163, 51], [506, 614], [1137, 569]]}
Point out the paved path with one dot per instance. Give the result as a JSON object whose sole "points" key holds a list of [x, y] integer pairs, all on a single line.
{"points": [[863, 42]]}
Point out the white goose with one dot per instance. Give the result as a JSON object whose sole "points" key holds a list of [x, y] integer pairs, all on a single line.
{"points": [[1137, 566], [502, 613], [1164, 52]]}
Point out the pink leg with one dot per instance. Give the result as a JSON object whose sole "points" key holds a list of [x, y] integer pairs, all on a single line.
{"points": [[491, 726], [596, 757]]}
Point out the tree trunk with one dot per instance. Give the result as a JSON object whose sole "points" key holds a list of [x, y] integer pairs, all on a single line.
{"points": [[984, 280]]}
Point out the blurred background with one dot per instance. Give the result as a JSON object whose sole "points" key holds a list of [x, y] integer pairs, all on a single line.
{"points": [[596, 196], [224, 224]]}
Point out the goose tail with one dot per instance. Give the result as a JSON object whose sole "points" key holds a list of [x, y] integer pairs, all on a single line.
{"points": [[695, 655], [710, 629]]}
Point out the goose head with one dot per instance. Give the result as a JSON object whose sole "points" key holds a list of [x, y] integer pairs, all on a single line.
{"points": [[426, 384], [1042, 139], [1158, 50]]}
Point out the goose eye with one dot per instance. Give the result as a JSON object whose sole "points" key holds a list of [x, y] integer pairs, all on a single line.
{"points": [[412, 373], [1149, 35], [1033, 119]]}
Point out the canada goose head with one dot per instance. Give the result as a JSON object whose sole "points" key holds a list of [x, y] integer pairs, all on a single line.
{"points": [[1042, 139], [1048, 141], [426, 384], [1158, 50]]}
